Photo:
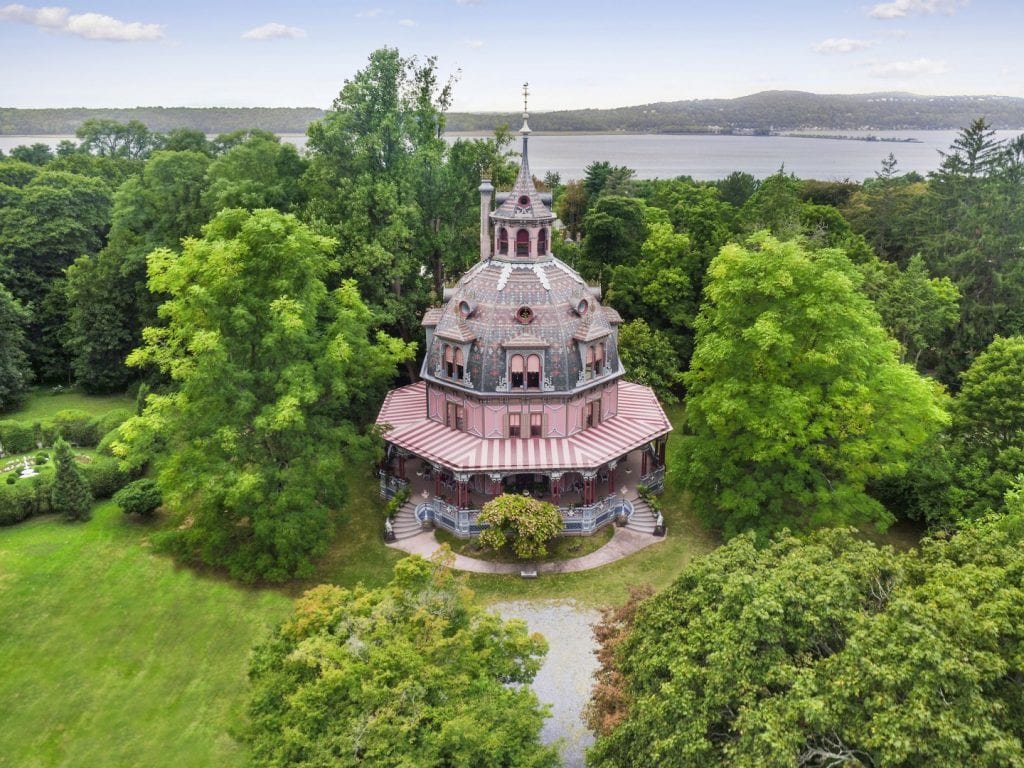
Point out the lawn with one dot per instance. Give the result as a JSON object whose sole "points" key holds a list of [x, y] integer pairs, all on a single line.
{"points": [[112, 656], [43, 404]]}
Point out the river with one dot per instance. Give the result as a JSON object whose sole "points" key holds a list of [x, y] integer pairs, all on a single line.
{"points": [[711, 157]]}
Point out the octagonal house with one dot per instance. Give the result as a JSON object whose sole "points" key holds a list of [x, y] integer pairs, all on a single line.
{"points": [[522, 387]]}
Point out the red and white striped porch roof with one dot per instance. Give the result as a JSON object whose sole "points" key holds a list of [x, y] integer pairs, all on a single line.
{"points": [[639, 420]]}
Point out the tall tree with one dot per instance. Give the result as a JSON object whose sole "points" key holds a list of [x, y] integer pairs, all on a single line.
{"points": [[15, 372], [268, 368], [260, 172], [409, 674], [70, 495], [830, 652], [796, 398], [614, 230]]}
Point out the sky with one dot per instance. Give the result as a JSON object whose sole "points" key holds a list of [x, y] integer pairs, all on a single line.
{"points": [[574, 54]]}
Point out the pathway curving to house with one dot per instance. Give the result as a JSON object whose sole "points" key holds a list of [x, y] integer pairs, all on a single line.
{"points": [[637, 535]]}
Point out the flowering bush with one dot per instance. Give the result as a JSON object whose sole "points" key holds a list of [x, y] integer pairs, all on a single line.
{"points": [[530, 522]]}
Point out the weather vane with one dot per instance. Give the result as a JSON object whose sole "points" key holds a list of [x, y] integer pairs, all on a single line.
{"points": [[526, 93]]}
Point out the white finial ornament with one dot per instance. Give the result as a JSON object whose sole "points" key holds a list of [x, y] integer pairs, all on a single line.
{"points": [[526, 93]]}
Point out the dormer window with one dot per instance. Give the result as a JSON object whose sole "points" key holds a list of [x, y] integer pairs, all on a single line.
{"points": [[503, 241], [599, 359], [592, 414], [449, 361], [589, 369], [460, 370], [522, 243]]}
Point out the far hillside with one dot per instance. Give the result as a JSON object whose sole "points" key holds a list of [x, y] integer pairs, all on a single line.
{"points": [[765, 112]]}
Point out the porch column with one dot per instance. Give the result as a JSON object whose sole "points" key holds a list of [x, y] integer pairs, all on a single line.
{"points": [[611, 475], [495, 480], [643, 461], [556, 486], [437, 482], [462, 490], [661, 451], [589, 480], [401, 465]]}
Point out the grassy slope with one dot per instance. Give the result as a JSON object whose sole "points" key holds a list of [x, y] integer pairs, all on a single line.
{"points": [[43, 405], [112, 655]]}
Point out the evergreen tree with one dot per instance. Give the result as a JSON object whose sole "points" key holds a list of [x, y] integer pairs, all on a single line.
{"points": [[70, 495]]}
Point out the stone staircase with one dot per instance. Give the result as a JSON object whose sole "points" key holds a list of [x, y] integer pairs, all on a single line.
{"points": [[405, 524], [643, 518]]}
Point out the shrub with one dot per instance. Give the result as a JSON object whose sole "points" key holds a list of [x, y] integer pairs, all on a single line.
{"points": [[105, 476], [41, 458], [530, 522], [24, 499], [109, 421], [141, 497], [76, 427], [17, 436]]}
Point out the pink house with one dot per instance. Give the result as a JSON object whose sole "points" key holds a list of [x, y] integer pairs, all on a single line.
{"points": [[521, 387]]}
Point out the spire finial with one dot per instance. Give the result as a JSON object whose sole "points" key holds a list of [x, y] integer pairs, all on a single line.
{"points": [[525, 130]]}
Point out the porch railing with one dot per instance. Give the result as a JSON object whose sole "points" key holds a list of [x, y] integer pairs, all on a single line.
{"points": [[390, 485], [654, 480], [576, 520]]}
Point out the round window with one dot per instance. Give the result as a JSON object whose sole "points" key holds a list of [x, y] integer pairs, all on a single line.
{"points": [[465, 309], [524, 315], [524, 200], [582, 307]]}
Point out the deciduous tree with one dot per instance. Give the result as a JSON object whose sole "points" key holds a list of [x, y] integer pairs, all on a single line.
{"points": [[409, 674], [15, 372], [530, 523]]}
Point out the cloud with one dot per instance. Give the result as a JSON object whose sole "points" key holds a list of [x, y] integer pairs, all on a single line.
{"points": [[370, 13], [841, 45], [897, 9], [468, 2], [406, 23], [91, 26], [274, 31], [475, 43], [908, 68]]}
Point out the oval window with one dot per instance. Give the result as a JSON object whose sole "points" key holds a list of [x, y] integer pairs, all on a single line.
{"points": [[464, 309], [524, 200], [524, 315], [582, 307]]}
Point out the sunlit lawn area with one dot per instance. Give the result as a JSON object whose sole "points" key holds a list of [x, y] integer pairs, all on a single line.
{"points": [[43, 404]]}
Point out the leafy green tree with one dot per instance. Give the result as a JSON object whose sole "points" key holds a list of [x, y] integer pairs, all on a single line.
{"points": [[796, 398], [108, 299], [260, 172], [530, 523], [775, 206], [887, 212], [988, 426], [614, 230], [603, 178], [36, 154], [571, 206], [141, 497], [736, 188], [830, 651], [916, 308], [650, 359], [15, 372], [272, 376], [185, 140], [413, 673], [70, 495], [110, 138], [58, 217]]}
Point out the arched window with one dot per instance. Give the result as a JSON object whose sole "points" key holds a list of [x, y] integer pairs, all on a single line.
{"points": [[503, 240], [522, 243], [516, 369], [459, 369], [542, 242], [449, 361], [533, 372], [589, 369], [599, 359]]}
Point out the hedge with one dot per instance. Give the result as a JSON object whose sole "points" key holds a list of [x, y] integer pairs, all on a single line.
{"points": [[24, 499]]}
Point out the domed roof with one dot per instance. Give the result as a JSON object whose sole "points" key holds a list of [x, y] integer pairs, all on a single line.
{"points": [[502, 308]]}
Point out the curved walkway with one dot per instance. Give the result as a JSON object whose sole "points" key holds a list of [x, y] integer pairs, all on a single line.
{"points": [[624, 543]]}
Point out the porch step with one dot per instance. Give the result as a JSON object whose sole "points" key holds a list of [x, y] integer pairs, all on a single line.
{"points": [[405, 524], [643, 519]]}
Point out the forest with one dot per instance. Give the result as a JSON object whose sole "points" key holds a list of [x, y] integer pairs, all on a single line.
{"points": [[846, 356]]}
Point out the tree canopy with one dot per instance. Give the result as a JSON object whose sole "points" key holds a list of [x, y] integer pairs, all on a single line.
{"points": [[409, 674], [830, 651], [268, 368], [796, 398]]}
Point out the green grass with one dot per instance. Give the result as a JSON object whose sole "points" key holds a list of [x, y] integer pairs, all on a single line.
{"points": [[112, 656], [42, 404]]}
